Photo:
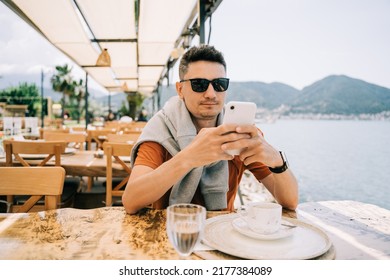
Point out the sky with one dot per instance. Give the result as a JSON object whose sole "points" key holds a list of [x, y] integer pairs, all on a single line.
{"points": [[296, 42]]}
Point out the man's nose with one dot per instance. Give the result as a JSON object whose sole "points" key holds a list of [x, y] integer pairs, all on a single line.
{"points": [[210, 92]]}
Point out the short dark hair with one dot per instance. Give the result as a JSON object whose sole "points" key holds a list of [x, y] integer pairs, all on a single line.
{"points": [[199, 53]]}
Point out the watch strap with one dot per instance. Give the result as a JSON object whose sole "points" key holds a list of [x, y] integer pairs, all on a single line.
{"points": [[280, 169]]}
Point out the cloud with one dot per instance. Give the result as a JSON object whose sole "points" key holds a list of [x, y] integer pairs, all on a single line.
{"points": [[8, 68]]}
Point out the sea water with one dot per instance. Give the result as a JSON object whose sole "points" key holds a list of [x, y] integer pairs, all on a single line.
{"points": [[336, 159]]}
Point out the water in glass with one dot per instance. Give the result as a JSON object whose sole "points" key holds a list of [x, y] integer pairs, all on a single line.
{"points": [[185, 224]]}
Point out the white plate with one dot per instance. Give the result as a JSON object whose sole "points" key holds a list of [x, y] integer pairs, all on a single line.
{"points": [[306, 242], [242, 227]]}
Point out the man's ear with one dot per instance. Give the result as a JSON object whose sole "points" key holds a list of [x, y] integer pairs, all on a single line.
{"points": [[179, 89]]}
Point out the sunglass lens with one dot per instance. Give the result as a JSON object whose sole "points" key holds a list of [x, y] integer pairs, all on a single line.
{"points": [[220, 84], [199, 85]]}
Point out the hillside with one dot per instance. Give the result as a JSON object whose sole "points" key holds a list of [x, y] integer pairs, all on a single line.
{"points": [[332, 95], [342, 95], [14, 80], [268, 96], [335, 94]]}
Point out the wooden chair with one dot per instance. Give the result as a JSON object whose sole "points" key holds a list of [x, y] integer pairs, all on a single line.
{"points": [[40, 151], [98, 136], [111, 125], [135, 133], [139, 124], [36, 182], [77, 129], [115, 188], [37, 154], [75, 140], [133, 127], [123, 138], [52, 130]]}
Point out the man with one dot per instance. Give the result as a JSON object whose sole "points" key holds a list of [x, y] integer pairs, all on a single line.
{"points": [[181, 156]]}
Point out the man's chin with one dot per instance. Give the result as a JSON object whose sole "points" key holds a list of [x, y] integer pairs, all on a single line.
{"points": [[209, 116]]}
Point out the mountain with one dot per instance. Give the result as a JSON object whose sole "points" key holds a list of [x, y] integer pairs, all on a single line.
{"points": [[268, 96], [335, 94], [342, 95], [116, 101], [13, 80]]}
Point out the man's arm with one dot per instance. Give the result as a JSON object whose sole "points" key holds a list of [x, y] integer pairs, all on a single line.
{"points": [[283, 186], [146, 185]]}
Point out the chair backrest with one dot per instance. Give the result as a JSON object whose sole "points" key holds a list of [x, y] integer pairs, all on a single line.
{"points": [[53, 130], [98, 136], [34, 181], [77, 129], [135, 133], [77, 139], [122, 138], [116, 151], [139, 124], [40, 151], [133, 127], [111, 125]]}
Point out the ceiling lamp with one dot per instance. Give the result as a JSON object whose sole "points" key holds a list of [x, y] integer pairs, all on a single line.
{"points": [[124, 87], [104, 59], [187, 37]]}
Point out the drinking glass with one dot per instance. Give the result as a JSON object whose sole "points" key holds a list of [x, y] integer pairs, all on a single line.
{"points": [[185, 224]]}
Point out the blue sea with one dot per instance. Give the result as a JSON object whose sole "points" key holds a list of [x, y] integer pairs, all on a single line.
{"points": [[336, 159]]}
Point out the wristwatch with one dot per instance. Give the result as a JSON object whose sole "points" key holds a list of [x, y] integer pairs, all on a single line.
{"points": [[280, 169]]}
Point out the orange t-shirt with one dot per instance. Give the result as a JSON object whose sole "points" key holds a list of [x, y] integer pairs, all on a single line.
{"points": [[153, 155]]}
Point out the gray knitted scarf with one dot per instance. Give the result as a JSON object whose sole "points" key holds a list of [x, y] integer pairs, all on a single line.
{"points": [[173, 128]]}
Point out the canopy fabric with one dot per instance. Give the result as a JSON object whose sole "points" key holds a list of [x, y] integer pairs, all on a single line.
{"points": [[139, 35]]}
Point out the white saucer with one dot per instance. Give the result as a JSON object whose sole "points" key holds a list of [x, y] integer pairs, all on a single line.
{"points": [[241, 226]]}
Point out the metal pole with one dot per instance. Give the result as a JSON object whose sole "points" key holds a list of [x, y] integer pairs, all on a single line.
{"points": [[42, 112], [109, 103], [86, 106], [86, 101], [202, 15]]}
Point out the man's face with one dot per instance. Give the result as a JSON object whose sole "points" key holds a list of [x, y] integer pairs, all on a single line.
{"points": [[203, 105]]}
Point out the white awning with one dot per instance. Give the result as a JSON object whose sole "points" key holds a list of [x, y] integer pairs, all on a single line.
{"points": [[139, 35]]}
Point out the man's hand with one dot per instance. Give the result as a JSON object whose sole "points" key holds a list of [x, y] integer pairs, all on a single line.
{"points": [[207, 146], [254, 148]]}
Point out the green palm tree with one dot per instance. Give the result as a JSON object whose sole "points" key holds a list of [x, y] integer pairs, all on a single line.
{"points": [[78, 94], [62, 81], [134, 100]]}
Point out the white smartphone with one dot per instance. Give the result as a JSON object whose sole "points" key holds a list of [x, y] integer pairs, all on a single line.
{"points": [[238, 112]]}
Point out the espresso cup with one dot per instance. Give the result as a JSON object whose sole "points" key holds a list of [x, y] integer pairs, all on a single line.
{"points": [[262, 217]]}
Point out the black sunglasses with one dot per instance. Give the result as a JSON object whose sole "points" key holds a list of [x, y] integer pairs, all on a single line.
{"points": [[201, 85]]}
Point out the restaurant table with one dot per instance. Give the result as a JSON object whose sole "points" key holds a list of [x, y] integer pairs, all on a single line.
{"points": [[357, 231], [83, 163]]}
